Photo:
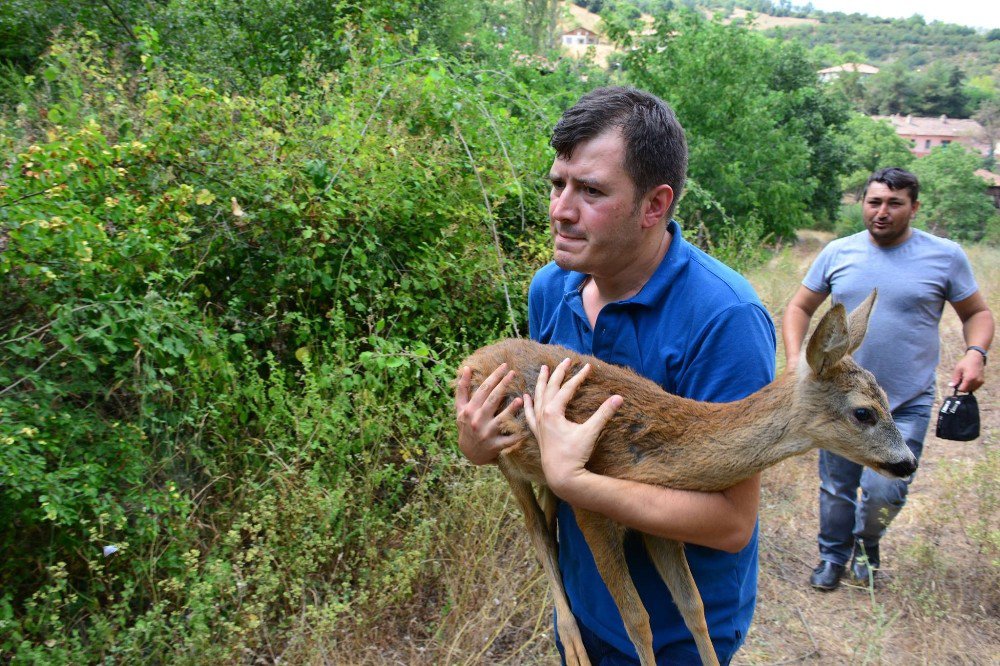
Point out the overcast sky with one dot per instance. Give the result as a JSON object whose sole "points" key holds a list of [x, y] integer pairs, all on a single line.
{"points": [[975, 13]]}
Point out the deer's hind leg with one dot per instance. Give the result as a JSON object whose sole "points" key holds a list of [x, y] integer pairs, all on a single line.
{"points": [[606, 541], [544, 541], [670, 562]]}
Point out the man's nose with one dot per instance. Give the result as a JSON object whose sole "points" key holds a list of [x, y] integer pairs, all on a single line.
{"points": [[561, 206], [883, 210]]}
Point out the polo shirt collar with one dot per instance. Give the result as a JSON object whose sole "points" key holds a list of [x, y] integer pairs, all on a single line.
{"points": [[655, 289]]}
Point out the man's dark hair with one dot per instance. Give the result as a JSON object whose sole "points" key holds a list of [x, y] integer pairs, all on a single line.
{"points": [[895, 179], [655, 147]]}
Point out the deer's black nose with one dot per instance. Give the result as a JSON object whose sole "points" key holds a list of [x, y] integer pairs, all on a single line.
{"points": [[903, 468]]}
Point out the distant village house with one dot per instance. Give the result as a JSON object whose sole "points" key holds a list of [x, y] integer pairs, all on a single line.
{"points": [[580, 37], [992, 184], [925, 134], [834, 73]]}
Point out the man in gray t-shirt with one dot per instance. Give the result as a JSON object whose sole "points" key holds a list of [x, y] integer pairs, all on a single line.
{"points": [[915, 274]]}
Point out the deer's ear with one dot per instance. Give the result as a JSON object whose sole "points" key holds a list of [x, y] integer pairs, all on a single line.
{"points": [[857, 321], [829, 342]]}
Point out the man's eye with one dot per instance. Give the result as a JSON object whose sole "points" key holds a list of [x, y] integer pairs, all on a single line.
{"points": [[591, 192]]}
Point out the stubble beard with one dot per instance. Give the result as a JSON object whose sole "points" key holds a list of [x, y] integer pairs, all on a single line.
{"points": [[887, 237], [603, 256]]}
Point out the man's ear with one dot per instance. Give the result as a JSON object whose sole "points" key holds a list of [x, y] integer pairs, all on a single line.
{"points": [[657, 202]]}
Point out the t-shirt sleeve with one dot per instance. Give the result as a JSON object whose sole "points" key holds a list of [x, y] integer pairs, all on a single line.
{"points": [[734, 357], [961, 282], [818, 276]]}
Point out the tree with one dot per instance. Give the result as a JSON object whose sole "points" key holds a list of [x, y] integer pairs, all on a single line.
{"points": [[941, 91], [809, 111], [891, 90], [874, 144], [758, 125], [851, 86], [954, 199], [988, 116], [540, 18]]}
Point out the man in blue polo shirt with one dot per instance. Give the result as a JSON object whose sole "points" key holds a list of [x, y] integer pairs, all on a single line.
{"points": [[625, 287]]}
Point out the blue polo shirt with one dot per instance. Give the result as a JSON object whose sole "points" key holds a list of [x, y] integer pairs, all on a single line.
{"points": [[698, 329]]}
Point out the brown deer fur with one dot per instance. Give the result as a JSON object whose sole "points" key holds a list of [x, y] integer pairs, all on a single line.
{"points": [[666, 440]]}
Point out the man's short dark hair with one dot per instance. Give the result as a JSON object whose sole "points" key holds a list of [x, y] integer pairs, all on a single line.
{"points": [[895, 179], [655, 147]]}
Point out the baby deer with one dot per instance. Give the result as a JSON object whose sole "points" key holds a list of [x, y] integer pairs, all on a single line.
{"points": [[659, 438]]}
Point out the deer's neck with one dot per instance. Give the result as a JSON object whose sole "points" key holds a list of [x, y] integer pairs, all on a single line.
{"points": [[733, 441]]}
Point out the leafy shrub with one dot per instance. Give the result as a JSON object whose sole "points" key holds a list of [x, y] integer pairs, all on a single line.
{"points": [[953, 197], [228, 338]]}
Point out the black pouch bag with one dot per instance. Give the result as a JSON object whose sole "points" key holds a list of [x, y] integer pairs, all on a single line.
{"points": [[958, 418]]}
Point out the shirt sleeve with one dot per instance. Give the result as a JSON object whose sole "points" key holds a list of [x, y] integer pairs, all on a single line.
{"points": [[818, 277], [734, 357], [961, 282]]}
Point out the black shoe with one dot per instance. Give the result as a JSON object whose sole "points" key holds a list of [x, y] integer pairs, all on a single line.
{"points": [[865, 565], [827, 575]]}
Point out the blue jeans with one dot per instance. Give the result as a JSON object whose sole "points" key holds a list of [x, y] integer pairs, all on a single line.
{"points": [[842, 518]]}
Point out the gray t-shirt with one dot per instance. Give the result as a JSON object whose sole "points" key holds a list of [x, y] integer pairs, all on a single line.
{"points": [[914, 280]]}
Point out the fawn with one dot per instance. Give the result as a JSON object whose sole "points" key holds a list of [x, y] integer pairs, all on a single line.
{"points": [[658, 438]]}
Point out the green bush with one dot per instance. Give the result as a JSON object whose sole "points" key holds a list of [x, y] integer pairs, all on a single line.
{"points": [[229, 333]]}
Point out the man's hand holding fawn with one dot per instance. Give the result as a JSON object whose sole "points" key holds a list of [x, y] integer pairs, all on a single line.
{"points": [[565, 446], [479, 436]]}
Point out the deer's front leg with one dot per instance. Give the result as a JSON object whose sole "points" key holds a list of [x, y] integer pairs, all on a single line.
{"points": [[606, 541], [544, 541], [670, 562]]}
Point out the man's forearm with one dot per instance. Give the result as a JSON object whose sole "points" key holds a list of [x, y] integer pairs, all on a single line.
{"points": [[979, 329], [794, 325], [722, 520]]}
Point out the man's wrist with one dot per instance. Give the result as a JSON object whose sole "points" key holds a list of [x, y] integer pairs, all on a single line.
{"points": [[569, 486], [980, 350]]}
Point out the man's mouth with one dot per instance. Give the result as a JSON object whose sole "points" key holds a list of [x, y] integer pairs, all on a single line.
{"points": [[560, 236]]}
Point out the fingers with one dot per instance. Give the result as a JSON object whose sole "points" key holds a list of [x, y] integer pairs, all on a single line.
{"points": [[511, 409], [462, 390], [956, 377], [549, 388], [479, 417], [966, 376], [529, 414], [541, 384], [600, 418], [558, 393], [553, 396], [488, 394], [573, 383]]}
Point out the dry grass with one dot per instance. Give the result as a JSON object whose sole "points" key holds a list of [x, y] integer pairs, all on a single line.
{"points": [[484, 601]]}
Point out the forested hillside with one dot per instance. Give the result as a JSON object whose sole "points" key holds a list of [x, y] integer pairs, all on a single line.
{"points": [[929, 68], [243, 245]]}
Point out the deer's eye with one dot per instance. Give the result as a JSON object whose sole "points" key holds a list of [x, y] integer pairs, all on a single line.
{"points": [[864, 415]]}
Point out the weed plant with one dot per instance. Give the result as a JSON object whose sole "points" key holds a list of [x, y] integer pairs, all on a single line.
{"points": [[228, 335]]}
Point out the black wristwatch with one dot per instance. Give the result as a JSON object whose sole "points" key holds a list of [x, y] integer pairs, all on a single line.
{"points": [[980, 350]]}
